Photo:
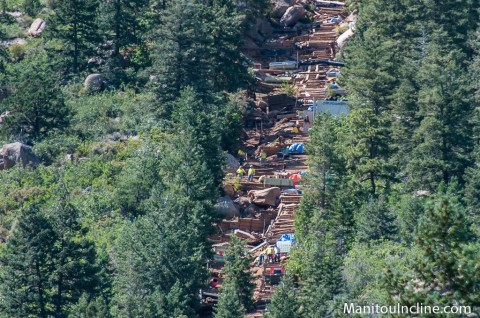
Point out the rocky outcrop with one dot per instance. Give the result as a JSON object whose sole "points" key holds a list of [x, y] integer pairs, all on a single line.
{"points": [[15, 153], [37, 27], [293, 15], [260, 30], [267, 197], [279, 9], [231, 163], [226, 207], [95, 82]]}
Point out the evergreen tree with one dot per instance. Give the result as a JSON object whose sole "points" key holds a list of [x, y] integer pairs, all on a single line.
{"points": [[122, 23], [237, 271], [284, 302], [37, 103], [444, 272], [90, 308], [162, 258], [31, 7], [321, 277], [196, 46], [375, 221], [27, 262], [229, 305], [74, 25], [76, 271], [327, 170], [444, 136]]}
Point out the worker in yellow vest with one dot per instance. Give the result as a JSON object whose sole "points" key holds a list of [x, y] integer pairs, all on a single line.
{"points": [[270, 252], [241, 155], [251, 173], [240, 172], [263, 156]]}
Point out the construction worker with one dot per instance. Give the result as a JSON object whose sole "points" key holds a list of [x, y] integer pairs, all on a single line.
{"points": [[240, 172], [270, 254], [261, 258], [263, 156], [241, 155], [277, 254], [251, 173], [295, 130]]}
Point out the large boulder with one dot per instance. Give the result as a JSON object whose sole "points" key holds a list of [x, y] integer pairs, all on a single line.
{"points": [[343, 39], [261, 29], [226, 207], [266, 197], [18, 153], [279, 9], [231, 163], [37, 27], [270, 149], [95, 82], [293, 15]]}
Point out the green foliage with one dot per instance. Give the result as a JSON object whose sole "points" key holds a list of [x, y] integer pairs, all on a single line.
{"points": [[31, 7], [284, 302], [188, 55], [443, 273], [123, 22], [375, 221], [17, 51], [47, 264], [237, 271], [37, 103], [116, 114], [229, 305], [74, 26]]}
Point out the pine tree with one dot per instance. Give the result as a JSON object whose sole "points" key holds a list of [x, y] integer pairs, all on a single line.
{"points": [[284, 301], [444, 136], [229, 305], [237, 270], [76, 272], [321, 277], [375, 221], [196, 46], [443, 273], [32, 7], [327, 170], [37, 103], [27, 262], [162, 257], [74, 25], [123, 23]]}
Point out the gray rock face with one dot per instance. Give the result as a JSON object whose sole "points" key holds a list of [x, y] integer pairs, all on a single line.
{"points": [[293, 15], [232, 163], [95, 82], [17, 153], [281, 6], [267, 197], [260, 30], [37, 27], [226, 207]]}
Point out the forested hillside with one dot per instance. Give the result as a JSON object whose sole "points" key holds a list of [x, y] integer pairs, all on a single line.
{"points": [[114, 221], [391, 214], [125, 111]]}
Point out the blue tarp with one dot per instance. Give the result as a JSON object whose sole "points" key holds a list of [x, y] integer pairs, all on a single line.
{"points": [[336, 19], [287, 237], [333, 73], [296, 147]]}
